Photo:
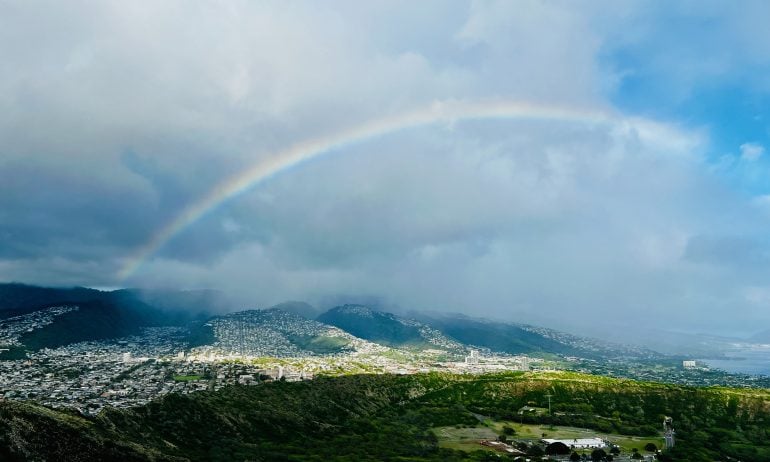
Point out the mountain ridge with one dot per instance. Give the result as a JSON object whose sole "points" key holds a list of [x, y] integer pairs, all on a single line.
{"points": [[106, 315], [388, 328]]}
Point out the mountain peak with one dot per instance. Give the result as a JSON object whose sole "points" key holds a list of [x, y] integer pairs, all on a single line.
{"points": [[387, 328]]}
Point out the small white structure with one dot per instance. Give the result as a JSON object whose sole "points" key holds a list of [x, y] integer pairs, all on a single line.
{"points": [[473, 358], [246, 379], [579, 443], [688, 364]]}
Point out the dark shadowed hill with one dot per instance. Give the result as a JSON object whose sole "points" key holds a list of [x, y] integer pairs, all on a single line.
{"points": [[95, 320], [16, 299], [387, 328], [375, 326], [512, 338], [393, 330], [100, 314], [498, 336]]}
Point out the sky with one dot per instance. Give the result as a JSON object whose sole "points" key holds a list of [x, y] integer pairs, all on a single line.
{"points": [[117, 118]]}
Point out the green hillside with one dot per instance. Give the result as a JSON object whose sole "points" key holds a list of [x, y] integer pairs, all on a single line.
{"points": [[100, 315], [387, 418], [375, 326], [396, 331], [16, 299], [498, 336], [95, 320]]}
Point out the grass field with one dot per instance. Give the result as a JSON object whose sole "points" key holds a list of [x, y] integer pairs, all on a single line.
{"points": [[467, 439]]}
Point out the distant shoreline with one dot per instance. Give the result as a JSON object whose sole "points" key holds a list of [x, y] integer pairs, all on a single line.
{"points": [[752, 361]]}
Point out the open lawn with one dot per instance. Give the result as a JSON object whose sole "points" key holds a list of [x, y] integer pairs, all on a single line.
{"points": [[467, 439], [186, 378], [527, 431]]}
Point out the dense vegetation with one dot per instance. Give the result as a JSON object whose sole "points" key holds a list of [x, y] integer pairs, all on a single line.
{"points": [[16, 299], [375, 326], [320, 344], [710, 422], [101, 315], [387, 329], [385, 418], [498, 336], [92, 321]]}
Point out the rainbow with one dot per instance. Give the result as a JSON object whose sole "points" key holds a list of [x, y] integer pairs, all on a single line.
{"points": [[439, 112]]}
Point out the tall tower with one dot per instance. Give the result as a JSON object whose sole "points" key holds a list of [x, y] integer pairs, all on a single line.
{"points": [[668, 428], [241, 335]]}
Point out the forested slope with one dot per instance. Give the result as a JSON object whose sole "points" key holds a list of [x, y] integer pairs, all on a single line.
{"points": [[385, 417]]}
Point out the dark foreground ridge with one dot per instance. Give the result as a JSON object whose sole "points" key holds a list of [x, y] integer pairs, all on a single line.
{"points": [[385, 417]]}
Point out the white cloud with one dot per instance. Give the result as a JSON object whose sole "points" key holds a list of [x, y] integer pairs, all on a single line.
{"points": [[120, 113], [751, 152]]}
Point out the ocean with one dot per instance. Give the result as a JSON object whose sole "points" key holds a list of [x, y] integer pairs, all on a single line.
{"points": [[753, 360]]}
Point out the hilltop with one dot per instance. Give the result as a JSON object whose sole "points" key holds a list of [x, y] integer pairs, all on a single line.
{"points": [[275, 332], [94, 314]]}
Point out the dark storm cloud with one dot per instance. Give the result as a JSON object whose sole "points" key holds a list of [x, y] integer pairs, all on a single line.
{"points": [[46, 211]]}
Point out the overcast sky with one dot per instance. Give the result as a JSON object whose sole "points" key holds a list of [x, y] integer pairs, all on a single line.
{"points": [[115, 116]]}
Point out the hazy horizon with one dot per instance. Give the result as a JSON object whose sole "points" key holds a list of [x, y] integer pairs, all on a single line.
{"points": [[600, 165]]}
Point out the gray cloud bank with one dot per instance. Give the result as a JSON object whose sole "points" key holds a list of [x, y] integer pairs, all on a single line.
{"points": [[115, 115]]}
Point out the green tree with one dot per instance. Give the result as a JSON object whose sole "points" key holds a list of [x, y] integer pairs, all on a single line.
{"points": [[574, 456], [650, 447], [598, 454], [535, 451]]}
